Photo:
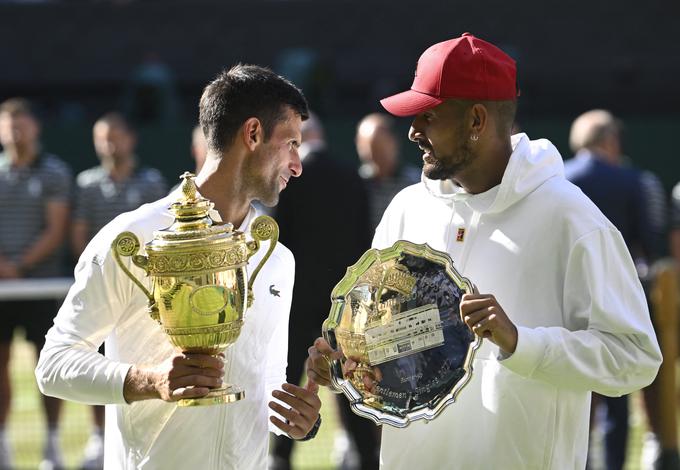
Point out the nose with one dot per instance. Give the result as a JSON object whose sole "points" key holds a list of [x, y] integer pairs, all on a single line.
{"points": [[295, 166], [414, 135]]}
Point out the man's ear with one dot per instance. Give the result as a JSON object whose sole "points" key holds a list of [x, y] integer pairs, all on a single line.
{"points": [[479, 115], [252, 133]]}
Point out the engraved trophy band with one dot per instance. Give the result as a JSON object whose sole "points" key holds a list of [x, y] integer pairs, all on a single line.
{"points": [[200, 287]]}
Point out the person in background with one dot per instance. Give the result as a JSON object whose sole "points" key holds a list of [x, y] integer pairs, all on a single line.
{"points": [[199, 151], [118, 184], [381, 168], [199, 148], [595, 168], [630, 199], [251, 118], [324, 220], [35, 193], [559, 304]]}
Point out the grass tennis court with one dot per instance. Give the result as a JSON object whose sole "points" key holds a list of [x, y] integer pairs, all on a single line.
{"points": [[26, 428], [26, 422]]}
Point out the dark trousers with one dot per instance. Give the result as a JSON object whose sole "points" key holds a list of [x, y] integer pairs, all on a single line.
{"points": [[362, 431], [613, 413]]}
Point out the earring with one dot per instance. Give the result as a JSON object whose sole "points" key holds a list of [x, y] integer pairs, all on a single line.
{"points": [[474, 137]]}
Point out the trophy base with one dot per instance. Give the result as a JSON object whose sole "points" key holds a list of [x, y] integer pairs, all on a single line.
{"points": [[218, 396]]}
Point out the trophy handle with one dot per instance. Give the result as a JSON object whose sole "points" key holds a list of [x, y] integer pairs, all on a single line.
{"points": [[127, 244], [262, 228], [328, 332]]}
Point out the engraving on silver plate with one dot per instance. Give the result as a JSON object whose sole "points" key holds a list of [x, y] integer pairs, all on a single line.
{"points": [[409, 332]]}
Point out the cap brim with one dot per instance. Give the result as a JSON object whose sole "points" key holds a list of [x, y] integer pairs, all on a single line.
{"points": [[409, 103]]}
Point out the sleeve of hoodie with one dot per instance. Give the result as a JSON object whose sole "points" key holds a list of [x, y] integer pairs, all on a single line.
{"points": [[617, 352]]}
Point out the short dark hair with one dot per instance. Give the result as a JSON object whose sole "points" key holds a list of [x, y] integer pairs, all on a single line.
{"points": [[15, 106], [242, 92], [505, 112]]}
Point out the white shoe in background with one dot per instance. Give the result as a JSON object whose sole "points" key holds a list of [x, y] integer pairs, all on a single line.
{"points": [[651, 450], [52, 458], [5, 454], [94, 453]]}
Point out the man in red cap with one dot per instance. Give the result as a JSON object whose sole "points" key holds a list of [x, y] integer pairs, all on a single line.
{"points": [[560, 303]]}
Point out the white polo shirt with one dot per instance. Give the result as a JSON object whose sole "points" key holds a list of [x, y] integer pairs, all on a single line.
{"points": [[104, 304]]}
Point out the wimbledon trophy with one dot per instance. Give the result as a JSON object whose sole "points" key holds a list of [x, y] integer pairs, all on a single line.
{"points": [[395, 316], [200, 287]]}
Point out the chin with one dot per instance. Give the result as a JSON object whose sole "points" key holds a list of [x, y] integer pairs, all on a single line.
{"points": [[270, 201], [436, 173]]}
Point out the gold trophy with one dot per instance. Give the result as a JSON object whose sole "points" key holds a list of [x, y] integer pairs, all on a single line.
{"points": [[200, 287]]}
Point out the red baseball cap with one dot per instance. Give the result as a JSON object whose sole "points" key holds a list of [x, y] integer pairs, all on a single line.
{"points": [[462, 68]]}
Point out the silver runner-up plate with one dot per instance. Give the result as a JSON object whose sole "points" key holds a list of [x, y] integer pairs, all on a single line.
{"points": [[395, 316]]}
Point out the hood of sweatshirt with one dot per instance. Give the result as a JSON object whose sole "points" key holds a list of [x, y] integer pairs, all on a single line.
{"points": [[531, 164]]}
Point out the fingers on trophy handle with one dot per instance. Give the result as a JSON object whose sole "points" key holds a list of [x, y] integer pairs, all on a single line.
{"points": [[262, 228], [127, 244], [332, 385]]}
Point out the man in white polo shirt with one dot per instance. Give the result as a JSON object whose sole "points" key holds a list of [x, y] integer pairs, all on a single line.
{"points": [[252, 119]]}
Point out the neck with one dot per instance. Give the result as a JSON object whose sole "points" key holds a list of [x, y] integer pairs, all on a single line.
{"points": [[604, 154], [120, 168], [219, 182], [22, 155], [488, 168]]}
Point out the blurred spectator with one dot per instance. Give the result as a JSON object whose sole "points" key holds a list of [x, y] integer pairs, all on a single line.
{"points": [[654, 455], [199, 148], [323, 219], [633, 201], [378, 150], [675, 223], [199, 152], [35, 190], [118, 184]]}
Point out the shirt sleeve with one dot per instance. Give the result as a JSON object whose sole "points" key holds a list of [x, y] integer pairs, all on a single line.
{"points": [[70, 366], [675, 208], [618, 352], [654, 197], [156, 186], [83, 201]]}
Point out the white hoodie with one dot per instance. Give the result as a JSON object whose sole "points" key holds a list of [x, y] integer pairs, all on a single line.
{"points": [[562, 273]]}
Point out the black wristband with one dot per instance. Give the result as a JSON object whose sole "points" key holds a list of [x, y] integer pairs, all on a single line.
{"points": [[312, 432]]}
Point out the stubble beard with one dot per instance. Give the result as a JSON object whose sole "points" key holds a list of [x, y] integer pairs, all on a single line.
{"points": [[268, 190], [448, 167], [262, 187], [264, 190], [269, 200]]}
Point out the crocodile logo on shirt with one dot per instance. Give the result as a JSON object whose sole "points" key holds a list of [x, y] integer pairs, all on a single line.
{"points": [[273, 291]]}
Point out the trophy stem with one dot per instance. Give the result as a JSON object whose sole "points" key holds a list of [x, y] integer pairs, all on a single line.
{"points": [[362, 370], [225, 394]]}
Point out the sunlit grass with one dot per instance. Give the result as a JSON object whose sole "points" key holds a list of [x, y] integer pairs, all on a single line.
{"points": [[26, 424], [26, 427]]}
